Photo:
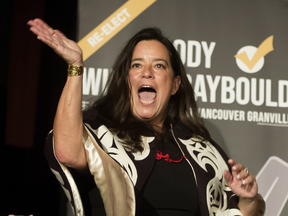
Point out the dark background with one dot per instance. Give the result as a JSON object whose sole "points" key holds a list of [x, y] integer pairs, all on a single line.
{"points": [[32, 78]]}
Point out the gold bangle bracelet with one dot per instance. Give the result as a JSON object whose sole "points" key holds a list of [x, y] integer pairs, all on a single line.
{"points": [[75, 70]]}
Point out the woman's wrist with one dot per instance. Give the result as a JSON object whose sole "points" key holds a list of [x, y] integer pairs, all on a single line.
{"points": [[74, 70], [251, 206], [249, 200]]}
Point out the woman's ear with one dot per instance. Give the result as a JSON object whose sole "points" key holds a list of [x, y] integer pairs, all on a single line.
{"points": [[176, 84]]}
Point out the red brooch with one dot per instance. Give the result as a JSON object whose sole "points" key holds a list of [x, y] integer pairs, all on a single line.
{"points": [[166, 157]]}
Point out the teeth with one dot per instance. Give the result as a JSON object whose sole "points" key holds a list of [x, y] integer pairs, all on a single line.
{"points": [[147, 102], [146, 87]]}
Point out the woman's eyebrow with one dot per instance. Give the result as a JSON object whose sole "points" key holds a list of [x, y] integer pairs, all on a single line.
{"points": [[137, 59], [155, 59], [159, 59]]}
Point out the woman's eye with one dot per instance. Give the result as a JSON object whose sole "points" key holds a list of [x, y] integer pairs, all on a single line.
{"points": [[160, 66], [136, 65]]}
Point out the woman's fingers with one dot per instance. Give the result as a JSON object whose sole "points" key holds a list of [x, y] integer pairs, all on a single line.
{"points": [[243, 174], [67, 49], [45, 33], [59, 33], [241, 181], [43, 26], [41, 29]]}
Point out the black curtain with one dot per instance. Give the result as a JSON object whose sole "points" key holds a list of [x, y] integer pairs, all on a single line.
{"points": [[27, 184]]}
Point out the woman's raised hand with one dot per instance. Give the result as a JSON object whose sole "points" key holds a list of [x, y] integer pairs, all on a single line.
{"points": [[244, 185], [241, 182], [67, 49]]}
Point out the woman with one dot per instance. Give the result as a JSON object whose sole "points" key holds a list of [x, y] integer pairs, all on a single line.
{"points": [[144, 142]]}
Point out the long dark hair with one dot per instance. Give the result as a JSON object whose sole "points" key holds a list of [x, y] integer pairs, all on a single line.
{"points": [[114, 108]]}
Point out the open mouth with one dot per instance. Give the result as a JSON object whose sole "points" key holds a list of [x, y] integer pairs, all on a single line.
{"points": [[147, 94]]}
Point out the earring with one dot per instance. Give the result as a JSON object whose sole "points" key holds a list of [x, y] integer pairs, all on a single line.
{"points": [[172, 93]]}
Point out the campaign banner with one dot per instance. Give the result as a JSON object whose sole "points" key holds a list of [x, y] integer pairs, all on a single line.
{"points": [[235, 55]]}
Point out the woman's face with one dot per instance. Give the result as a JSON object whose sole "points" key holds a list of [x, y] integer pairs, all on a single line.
{"points": [[152, 81]]}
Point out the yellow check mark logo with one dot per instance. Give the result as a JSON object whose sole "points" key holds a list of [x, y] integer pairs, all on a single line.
{"points": [[265, 47]]}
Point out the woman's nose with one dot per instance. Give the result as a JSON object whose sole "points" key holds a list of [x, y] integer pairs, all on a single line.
{"points": [[148, 73]]}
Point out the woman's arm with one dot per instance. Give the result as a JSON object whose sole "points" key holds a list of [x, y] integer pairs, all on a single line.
{"points": [[254, 206], [244, 185], [68, 125]]}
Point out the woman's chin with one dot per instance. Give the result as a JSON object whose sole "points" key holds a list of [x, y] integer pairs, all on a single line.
{"points": [[145, 117]]}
